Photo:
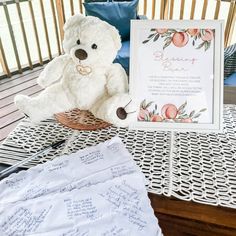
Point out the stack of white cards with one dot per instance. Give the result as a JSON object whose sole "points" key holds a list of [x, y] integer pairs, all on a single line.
{"points": [[96, 191]]}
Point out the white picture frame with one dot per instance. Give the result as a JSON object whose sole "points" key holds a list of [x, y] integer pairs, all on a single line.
{"points": [[204, 63]]}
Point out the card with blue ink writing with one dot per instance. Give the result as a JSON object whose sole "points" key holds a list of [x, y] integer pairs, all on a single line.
{"points": [[67, 172], [96, 191], [176, 74]]}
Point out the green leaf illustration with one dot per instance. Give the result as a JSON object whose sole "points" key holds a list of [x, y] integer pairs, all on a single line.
{"points": [[181, 108], [196, 116], [167, 44], [151, 35], [202, 31], [171, 30], [145, 41], [167, 38], [166, 34], [202, 110], [143, 104], [184, 116], [146, 118], [149, 104], [207, 45], [200, 45], [156, 37], [191, 113]]}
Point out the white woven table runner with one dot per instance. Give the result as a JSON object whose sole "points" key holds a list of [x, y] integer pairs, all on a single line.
{"points": [[189, 166]]}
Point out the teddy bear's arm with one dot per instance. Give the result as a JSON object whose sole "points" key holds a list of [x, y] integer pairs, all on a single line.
{"points": [[117, 80], [53, 71]]}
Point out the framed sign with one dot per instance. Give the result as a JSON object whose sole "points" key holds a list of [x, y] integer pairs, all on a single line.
{"points": [[176, 74]]}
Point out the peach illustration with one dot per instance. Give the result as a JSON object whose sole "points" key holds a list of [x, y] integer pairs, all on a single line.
{"points": [[169, 111], [186, 120], [156, 118], [180, 39], [208, 36], [193, 32], [161, 31], [142, 114]]}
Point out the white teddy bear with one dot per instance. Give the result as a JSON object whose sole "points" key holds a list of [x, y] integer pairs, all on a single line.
{"points": [[84, 77]]}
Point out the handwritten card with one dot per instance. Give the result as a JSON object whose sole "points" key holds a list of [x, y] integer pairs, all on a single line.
{"points": [[96, 191], [85, 167], [176, 75]]}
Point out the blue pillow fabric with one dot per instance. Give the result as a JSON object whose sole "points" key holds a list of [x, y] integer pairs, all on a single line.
{"points": [[229, 60], [107, 0], [231, 80], [123, 56], [117, 14]]}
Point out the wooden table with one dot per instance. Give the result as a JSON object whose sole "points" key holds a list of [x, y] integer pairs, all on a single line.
{"points": [[182, 218]]}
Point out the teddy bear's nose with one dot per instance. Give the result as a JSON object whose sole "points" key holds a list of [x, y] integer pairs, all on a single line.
{"points": [[81, 54], [121, 113]]}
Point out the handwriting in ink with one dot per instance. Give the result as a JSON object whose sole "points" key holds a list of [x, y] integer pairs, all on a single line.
{"points": [[14, 183], [24, 221], [126, 201], [92, 157], [58, 166], [122, 170], [114, 231], [75, 232], [76, 185], [35, 191], [81, 208], [114, 147]]}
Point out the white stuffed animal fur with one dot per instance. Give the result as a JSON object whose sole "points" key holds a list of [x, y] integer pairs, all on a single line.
{"points": [[84, 77]]}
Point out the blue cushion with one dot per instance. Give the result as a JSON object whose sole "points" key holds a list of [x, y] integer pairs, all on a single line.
{"points": [[123, 56], [117, 14], [229, 60], [231, 80], [107, 0]]}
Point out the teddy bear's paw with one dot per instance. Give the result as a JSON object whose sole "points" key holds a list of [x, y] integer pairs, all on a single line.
{"points": [[21, 102], [118, 110]]}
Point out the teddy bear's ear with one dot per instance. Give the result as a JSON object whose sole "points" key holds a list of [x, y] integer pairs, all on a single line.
{"points": [[115, 36], [73, 20]]}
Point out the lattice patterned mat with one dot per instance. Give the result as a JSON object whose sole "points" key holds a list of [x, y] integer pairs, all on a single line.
{"points": [[189, 166]]}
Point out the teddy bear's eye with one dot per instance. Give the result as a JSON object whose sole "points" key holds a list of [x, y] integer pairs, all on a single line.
{"points": [[78, 42], [94, 46]]}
